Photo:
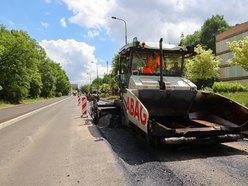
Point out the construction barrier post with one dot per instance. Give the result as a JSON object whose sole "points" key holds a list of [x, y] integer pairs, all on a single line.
{"points": [[78, 100], [84, 107]]}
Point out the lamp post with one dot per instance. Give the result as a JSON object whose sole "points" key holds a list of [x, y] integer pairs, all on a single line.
{"points": [[90, 77], [96, 68], [125, 27]]}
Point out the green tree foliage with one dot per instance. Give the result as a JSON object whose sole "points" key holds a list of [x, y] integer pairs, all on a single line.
{"points": [[48, 78], [85, 88], [114, 74], [115, 65], [62, 82], [16, 64], [25, 70], [240, 53], [212, 27], [105, 88], [203, 68], [35, 85], [193, 39], [107, 78], [206, 36], [109, 83], [96, 83]]}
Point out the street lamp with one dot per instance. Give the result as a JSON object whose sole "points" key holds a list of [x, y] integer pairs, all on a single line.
{"points": [[125, 27], [90, 77], [96, 68]]}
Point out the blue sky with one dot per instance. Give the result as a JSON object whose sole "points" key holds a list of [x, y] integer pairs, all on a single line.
{"points": [[81, 36]]}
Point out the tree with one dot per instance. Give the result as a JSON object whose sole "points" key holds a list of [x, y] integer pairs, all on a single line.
{"points": [[96, 83], [107, 78], [85, 88], [210, 28], [25, 70], [62, 81], [35, 85], [17, 64], [240, 53], [48, 78], [193, 39], [114, 74], [115, 65], [206, 36], [203, 68]]}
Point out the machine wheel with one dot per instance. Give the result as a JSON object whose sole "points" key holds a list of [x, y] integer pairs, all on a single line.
{"points": [[124, 120], [95, 112], [157, 142]]}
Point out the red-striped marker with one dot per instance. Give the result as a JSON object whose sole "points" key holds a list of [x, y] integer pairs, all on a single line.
{"points": [[84, 107]]}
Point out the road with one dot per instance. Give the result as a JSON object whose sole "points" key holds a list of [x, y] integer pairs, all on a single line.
{"points": [[223, 164], [55, 146], [12, 112]]}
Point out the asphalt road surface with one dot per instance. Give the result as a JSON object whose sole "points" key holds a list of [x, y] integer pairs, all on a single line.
{"points": [[223, 164], [55, 146], [12, 112]]}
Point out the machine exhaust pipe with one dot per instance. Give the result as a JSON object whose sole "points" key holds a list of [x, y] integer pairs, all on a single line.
{"points": [[161, 82]]}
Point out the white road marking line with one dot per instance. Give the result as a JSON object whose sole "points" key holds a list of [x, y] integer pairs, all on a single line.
{"points": [[19, 118]]}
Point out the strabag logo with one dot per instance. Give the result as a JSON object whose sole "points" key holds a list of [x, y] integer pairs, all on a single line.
{"points": [[136, 110]]}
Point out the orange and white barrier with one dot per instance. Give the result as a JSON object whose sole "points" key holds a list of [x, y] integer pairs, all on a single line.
{"points": [[84, 107], [79, 100]]}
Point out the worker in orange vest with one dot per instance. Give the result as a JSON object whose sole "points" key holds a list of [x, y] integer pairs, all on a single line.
{"points": [[149, 68], [157, 63]]}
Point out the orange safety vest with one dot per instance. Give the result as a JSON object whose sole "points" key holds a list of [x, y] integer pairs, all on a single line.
{"points": [[147, 70], [158, 60]]}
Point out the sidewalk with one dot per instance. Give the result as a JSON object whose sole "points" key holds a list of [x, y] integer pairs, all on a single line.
{"points": [[98, 165]]}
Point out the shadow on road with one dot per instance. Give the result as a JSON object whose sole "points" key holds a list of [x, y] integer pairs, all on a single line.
{"points": [[95, 133], [135, 151], [197, 152]]}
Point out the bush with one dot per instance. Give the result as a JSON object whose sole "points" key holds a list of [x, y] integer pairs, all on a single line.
{"points": [[58, 94], [228, 87]]}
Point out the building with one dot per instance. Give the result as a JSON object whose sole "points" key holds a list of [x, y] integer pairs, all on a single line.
{"points": [[231, 73]]}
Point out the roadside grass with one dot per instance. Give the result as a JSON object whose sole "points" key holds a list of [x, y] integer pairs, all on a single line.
{"points": [[32, 100], [4, 104], [240, 97]]}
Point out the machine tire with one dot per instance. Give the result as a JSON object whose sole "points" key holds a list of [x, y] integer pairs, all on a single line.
{"points": [[157, 142], [95, 112], [124, 120]]}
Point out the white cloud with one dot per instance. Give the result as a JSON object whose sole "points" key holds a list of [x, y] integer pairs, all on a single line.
{"points": [[150, 20], [44, 24], [90, 13], [92, 34], [63, 22], [75, 58]]}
